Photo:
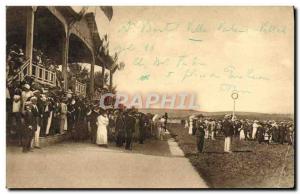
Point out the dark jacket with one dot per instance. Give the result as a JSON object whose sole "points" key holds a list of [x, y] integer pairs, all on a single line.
{"points": [[200, 126], [93, 119], [228, 128], [36, 113], [120, 123], [129, 124], [41, 106], [30, 120]]}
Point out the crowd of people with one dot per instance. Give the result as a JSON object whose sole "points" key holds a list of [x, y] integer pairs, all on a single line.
{"points": [[33, 113], [16, 58], [265, 131]]}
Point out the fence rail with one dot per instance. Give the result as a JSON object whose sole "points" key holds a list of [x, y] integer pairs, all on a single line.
{"points": [[80, 88], [43, 75], [39, 73]]}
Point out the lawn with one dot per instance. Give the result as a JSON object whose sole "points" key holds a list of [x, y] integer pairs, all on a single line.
{"points": [[251, 165]]}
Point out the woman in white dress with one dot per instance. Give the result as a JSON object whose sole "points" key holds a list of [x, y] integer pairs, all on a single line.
{"points": [[254, 130], [155, 121], [161, 130], [242, 131], [102, 122], [186, 125], [190, 126]]}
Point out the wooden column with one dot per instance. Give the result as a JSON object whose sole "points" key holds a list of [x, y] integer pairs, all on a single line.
{"points": [[29, 36], [92, 77], [65, 50], [103, 73], [111, 79]]}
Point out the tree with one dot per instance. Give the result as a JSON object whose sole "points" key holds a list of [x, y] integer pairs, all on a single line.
{"points": [[98, 79], [79, 73]]}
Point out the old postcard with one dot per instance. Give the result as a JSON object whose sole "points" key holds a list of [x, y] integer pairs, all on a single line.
{"points": [[154, 97]]}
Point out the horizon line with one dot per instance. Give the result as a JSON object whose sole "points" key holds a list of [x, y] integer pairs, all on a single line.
{"points": [[215, 111]]}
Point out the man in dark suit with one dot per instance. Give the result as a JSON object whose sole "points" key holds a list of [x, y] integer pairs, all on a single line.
{"points": [[166, 121], [282, 132], [71, 114], [55, 126], [228, 132], [200, 133], [141, 128], [120, 128], [37, 116], [29, 127], [129, 128]]}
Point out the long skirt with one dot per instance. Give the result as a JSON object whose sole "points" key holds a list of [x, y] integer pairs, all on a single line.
{"points": [[161, 132], [227, 144], [101, 135], [191, 130], [242, 134], [80, 130]]}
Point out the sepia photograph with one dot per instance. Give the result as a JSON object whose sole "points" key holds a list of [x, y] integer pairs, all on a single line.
{"points": [[150, 97]]}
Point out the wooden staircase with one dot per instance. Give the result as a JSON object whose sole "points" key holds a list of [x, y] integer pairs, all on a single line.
{"points": [[39, 73]]}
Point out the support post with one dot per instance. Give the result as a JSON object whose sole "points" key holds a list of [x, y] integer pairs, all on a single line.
{"points": [[103, 73], [233, 113], [29, 36], [92, 77], [65, 53], [110, 79]]}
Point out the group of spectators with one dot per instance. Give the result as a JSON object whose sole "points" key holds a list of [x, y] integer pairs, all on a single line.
{"points": [[265, 131], [41, 59], [15, 59], [125, 126], [33, 113]]}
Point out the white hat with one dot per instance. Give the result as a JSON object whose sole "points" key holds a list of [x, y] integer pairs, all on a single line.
{"points": [[69, 95], [27, 86], [43, 98], [33, 98], [17, 97]]}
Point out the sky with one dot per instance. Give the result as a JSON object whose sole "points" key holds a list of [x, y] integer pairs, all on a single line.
{"points": [[206, 51]]}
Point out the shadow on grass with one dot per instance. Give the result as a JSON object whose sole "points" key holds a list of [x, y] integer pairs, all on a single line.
{"points": [[241, 151]]}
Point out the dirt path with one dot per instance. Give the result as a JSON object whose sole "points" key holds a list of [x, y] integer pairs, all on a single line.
{"points": [[155, 164]]}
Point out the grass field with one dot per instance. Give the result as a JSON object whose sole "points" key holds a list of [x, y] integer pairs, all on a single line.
{"points": [[251, 165], [183, 114]]}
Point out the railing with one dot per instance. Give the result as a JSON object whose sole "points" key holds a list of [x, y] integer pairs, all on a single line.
{"points": [[43, 75], [24, 70], [80, 88], [21, 73]]}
